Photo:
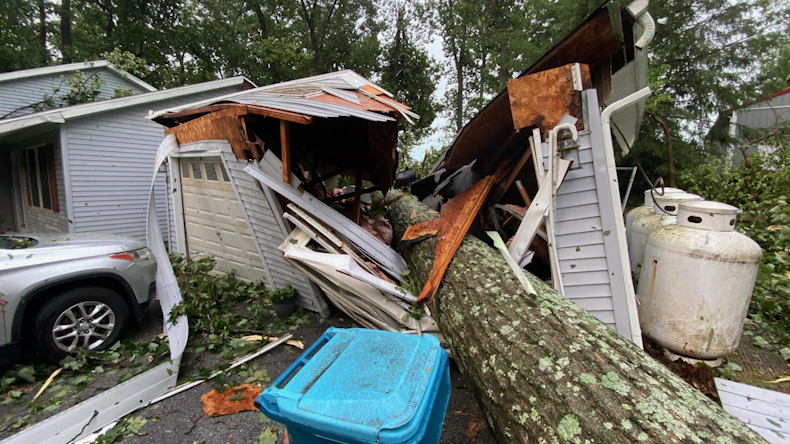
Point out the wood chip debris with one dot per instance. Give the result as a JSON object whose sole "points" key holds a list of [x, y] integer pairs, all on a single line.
{"points": [[231, 400]]}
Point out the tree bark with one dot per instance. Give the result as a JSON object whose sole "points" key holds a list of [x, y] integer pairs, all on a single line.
{"points": [[542, 368], [65, 31], [42, 32]]}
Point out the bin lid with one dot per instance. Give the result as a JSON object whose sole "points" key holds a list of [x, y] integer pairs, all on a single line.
{"points": [[362, 382]]}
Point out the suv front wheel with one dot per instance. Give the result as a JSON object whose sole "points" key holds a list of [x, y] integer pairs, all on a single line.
{"points": [[81, 318]]}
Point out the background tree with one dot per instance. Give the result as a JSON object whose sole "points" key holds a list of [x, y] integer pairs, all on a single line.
{"points": [[411, 75], [708, 56], [20, 41]]}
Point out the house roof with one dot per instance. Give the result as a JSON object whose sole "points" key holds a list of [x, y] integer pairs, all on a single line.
{"points": [[762, 99], [61, 115], [57, 69], [338, 94]]}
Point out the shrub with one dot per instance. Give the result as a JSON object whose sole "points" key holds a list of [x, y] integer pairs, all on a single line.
{"points": [[759, 187]]}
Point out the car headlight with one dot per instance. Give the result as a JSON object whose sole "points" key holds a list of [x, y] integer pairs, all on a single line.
{"points": [[141, 254]]}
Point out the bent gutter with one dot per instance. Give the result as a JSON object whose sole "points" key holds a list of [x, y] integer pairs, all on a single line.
{"points": [[611, 167]]}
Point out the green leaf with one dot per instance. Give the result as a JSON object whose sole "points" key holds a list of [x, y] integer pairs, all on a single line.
{"points": [[267, 436], [760, 342], [27, 373]]}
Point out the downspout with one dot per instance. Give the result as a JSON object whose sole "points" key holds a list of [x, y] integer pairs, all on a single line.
{"points": [[646, 21], [611, 167]]}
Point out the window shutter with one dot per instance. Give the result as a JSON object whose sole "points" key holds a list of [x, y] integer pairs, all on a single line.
{"points": [[53, 178]]}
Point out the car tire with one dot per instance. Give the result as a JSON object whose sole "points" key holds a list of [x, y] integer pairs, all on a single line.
{"points": [[76, 318]]}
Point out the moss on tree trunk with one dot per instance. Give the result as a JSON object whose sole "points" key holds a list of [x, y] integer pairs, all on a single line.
{"points": [[543, 369]]}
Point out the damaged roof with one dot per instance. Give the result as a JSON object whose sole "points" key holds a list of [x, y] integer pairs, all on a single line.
{"points": [[338, 94]]}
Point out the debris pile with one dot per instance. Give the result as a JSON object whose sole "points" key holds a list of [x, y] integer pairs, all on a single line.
{"points": [[358, 272]]}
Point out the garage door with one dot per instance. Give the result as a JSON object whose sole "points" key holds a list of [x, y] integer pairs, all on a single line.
{"points": [[213, 219]]}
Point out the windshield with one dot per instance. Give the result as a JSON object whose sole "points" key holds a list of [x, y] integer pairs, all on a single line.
{"points": [[16, 242]]}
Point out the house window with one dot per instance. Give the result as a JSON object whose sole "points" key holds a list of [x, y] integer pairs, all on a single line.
{"points": [[197, 174], [40, 170], [224, 173], [211, 171]]}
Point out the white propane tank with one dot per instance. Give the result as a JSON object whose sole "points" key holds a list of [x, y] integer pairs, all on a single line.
{"points": [[697, 281], [643, 210], [662, 214]]}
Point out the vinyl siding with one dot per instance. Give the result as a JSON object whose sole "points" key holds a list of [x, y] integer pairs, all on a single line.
{"points": [[171, 218], [41, 220], [763, 115], [578, 230], [111, 156], [17, 94], [584, 228]]}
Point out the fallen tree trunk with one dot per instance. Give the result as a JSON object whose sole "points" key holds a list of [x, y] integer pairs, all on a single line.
{"points": [[542, 368]]}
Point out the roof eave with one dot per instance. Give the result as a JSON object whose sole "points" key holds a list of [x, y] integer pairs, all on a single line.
{"points": [[61, 115]]}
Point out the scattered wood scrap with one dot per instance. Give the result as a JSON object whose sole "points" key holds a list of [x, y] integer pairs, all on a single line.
{"points": [[231, 400]]}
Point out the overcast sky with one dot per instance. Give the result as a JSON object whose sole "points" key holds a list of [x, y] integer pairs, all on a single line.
{"points": [[436, 140]]}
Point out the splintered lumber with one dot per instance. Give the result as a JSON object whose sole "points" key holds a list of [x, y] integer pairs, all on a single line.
{"points": [[542, 368], [456, 217]]}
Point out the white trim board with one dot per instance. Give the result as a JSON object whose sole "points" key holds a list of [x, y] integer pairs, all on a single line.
{"points": [[765, 411]]}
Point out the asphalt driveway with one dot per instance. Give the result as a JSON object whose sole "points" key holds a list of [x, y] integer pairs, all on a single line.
{"points": [[181, 419]]}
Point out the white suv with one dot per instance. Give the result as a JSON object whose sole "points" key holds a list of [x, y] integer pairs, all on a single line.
{"points": [[61, 292]]}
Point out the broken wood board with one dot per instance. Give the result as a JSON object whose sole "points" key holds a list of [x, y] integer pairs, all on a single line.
{"points": [[541, 99], [416, 233], [456, 216], [270, 174]]}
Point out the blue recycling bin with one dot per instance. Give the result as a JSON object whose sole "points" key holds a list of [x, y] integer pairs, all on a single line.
{"points": [[363, 386]]}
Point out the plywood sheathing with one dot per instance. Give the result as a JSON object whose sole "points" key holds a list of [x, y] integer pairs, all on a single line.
{"points": [[192, 113], [219, 125], [540, 100]]}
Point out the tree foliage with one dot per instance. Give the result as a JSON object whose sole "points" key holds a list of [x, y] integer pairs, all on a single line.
{"points": [[171, 43]]}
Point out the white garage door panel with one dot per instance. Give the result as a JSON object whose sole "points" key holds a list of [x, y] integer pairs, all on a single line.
{"points": [[215, 224]]}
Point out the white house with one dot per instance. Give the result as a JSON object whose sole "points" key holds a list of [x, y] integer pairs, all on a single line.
{"points": [[87, 167]]}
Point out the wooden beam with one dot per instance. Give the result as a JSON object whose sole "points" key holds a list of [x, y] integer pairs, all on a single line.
{"points": [[357, 195], [285, 149], [279, 114], [226, 112]]}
